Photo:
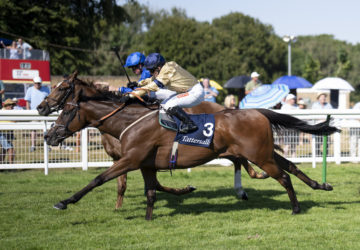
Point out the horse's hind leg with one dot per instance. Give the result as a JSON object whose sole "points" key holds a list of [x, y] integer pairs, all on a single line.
{"points": [[240, 192], [251, 171], [175, 191], [121, 181], [291, 168], [284, 179]]}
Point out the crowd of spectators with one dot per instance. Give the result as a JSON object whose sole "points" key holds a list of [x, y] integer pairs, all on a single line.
{"points": [[18, 49]]}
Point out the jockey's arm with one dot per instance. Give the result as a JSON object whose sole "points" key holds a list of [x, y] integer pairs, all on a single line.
{"points": [[145, 86]]}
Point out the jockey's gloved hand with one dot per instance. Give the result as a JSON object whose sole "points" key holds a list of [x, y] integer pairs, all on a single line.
{"points": [[132, 85]]}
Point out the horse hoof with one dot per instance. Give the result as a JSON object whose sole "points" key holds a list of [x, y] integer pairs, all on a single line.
{"points": [[244, 196], [328, 187], [191, 188], [60, 206], [264, 175], [296, 211]]}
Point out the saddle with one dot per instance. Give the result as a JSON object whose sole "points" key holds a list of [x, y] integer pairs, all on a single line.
{"points": [[202, 137]]}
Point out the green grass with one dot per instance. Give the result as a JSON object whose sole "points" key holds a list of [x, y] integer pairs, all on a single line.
{"points": [[209, 218]]}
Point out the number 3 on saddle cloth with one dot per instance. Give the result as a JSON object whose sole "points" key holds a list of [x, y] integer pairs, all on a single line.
{"points": [[202, 137]]}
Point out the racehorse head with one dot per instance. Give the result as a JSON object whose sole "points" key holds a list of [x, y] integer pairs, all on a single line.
{"points": [[83, 111], [68, 122], [64, 92]]}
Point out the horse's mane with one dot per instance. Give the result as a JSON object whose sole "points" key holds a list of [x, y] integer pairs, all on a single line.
{"points": [[105, 95]]}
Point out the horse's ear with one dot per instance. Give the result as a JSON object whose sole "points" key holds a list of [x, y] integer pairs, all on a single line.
{"points": [[73, 76]]}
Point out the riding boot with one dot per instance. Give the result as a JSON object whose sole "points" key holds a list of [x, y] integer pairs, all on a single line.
{"points": [[187, 125]]}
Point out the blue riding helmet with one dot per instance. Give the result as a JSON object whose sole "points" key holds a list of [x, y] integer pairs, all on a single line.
{"points": [[154, 60], [134, 59]]}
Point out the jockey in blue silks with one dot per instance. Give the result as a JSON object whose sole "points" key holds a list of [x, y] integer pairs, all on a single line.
{"points": [[135, 61]]}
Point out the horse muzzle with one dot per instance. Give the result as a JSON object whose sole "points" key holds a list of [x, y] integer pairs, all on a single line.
{"points": [[53, 138], [44, 109]]}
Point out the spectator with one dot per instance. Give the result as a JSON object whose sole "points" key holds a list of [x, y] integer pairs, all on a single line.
{"points": [[14, 51], [230, 102], [16, 106], [290, 102], [301, 104], [2, 91], [210, 92], [7, 138], [253, 83], [291, 137], [34, 96], [24, 48], [320, 104]]}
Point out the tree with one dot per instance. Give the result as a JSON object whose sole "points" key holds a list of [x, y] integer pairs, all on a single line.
{"points": [[311, 70], [344, 64]]}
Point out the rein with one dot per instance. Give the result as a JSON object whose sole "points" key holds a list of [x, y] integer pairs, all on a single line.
{"points": [[111, 113]]}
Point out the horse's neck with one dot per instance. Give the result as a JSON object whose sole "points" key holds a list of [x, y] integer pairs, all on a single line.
{"points": [[118, 122]]}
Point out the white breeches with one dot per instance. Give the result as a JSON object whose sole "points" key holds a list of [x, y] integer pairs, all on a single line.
{"points": [[186, 100], [162, 94]]}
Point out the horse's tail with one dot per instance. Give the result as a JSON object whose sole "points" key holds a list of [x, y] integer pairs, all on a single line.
{"points": [[290, 122]]}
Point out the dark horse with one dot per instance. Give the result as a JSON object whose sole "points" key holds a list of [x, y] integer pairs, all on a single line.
{"points": [[68, 90], [146, 146]]}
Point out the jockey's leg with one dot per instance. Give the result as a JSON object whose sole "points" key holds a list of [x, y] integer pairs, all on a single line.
{"points": [[185, 100]]}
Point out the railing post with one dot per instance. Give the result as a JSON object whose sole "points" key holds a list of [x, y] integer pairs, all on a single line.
{"points": [[46, 151], [337, 148], [313, 151], [84, 148]]}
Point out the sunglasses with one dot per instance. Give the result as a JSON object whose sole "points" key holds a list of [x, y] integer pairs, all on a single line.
{"points": [[152, 70], [135, 67]]}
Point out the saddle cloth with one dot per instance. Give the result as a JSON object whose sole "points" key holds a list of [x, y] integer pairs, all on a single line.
{"points": [[202, 137]]}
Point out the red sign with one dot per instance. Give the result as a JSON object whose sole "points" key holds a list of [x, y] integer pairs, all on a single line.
{"points": [[23, 71]]}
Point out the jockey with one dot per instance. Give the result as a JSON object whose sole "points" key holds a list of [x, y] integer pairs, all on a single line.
{"points": [[135, 61], [181, 87]]}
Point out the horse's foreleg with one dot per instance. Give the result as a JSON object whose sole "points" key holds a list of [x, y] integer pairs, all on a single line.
{"points": [[121, 181], [291, 168], [118, 168], [149, 176]]}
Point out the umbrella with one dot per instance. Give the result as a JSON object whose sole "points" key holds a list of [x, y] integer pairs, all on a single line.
{"points": [[237, 82], [213, 84], [293, 82], [265, 96], [333, 83]]}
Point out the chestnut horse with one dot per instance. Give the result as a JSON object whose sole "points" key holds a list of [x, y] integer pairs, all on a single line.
{"points": [[245, 134], [69, 89]]}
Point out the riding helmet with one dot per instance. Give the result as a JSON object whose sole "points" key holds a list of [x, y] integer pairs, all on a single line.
{"points": [[134, 59], [154, 60]]}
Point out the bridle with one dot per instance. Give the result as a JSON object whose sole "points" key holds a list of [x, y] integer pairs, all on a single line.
{"points": [[61, 127], [60, 105]]}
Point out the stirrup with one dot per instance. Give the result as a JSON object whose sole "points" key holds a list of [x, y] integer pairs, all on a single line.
{"points": [[187, 128]]}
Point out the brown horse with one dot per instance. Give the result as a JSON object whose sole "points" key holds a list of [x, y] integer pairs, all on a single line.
{"points": [[70, 89], [238, 134]]}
